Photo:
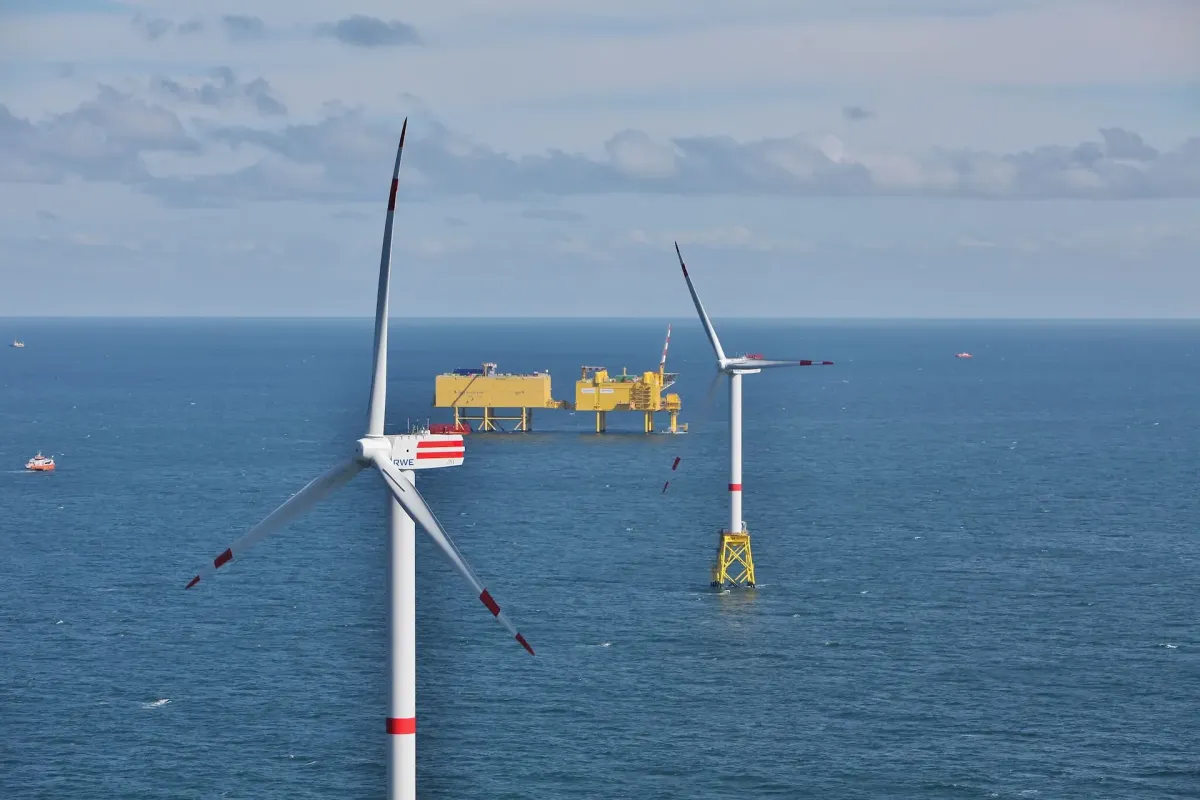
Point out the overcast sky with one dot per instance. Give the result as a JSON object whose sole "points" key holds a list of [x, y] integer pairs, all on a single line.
{"points": [[929, 158]]}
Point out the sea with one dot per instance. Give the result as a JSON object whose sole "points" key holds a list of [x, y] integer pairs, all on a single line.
{"points": [[977, 578]]}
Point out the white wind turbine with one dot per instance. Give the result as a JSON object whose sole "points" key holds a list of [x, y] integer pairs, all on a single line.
{"points": [[389, 454], [735, 368]]}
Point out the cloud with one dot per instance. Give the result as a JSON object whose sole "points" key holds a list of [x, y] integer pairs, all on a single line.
{"points": [[338, 157], [553, 215], [224, 91], [635, 154], [236, 27], [362, 31], [1120, 143], [239, 27], [102, 140], [857, 113], [153, 28]]}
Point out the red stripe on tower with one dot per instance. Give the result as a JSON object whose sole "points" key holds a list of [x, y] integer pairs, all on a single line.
{"points": [[735, 487], [402, 725]]}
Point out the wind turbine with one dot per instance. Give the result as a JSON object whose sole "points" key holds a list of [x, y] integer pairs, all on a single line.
{"points": [[388, 454], [735, 562]]}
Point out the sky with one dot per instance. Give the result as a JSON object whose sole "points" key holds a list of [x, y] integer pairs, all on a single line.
{"points": [[865, 158]]}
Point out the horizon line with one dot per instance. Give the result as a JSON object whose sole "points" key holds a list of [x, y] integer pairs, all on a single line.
{"points": [[575, 318]]}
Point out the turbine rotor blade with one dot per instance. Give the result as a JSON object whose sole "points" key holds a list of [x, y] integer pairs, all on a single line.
{"points": [[407, 495], [709, 331], [317, 490], [378, 404], [711, 395], [764, 363]]}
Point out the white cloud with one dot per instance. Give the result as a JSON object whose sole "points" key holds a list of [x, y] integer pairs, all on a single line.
{"points": [[635, 155], [114, 136]]}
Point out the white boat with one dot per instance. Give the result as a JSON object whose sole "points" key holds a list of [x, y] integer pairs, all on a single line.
{"points": [[17, 343]]}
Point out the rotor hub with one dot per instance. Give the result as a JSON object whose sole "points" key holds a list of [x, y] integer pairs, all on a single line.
{"points": [[369, 446]]}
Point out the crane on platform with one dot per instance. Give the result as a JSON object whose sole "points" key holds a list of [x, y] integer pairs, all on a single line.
{"points": [[662, 364]]}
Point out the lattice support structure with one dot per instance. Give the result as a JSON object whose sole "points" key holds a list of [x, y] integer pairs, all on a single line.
{"points": [[735, 561], [487, 420]]}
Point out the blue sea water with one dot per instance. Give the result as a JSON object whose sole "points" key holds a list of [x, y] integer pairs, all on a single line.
{"points": [[976, 578]]}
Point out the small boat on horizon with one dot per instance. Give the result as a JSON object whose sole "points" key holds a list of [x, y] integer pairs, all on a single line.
{"points": [[40, 463], [963, 354], [17, 343]]}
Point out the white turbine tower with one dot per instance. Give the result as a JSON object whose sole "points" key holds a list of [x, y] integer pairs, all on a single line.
{"points": [[735, 561], [395, 457]]}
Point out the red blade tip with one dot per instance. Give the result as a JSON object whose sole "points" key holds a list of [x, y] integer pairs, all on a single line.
{"points": [[193, 582], [524, 644]]}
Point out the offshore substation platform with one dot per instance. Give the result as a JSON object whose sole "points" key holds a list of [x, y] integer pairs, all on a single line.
{"points": [[487, 397], [483, 395]]}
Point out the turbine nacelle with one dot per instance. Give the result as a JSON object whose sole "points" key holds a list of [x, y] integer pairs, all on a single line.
{"points": [[427, 450]]}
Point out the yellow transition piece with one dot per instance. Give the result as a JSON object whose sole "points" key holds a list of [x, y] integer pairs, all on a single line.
{"points": [[735, 562]]}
